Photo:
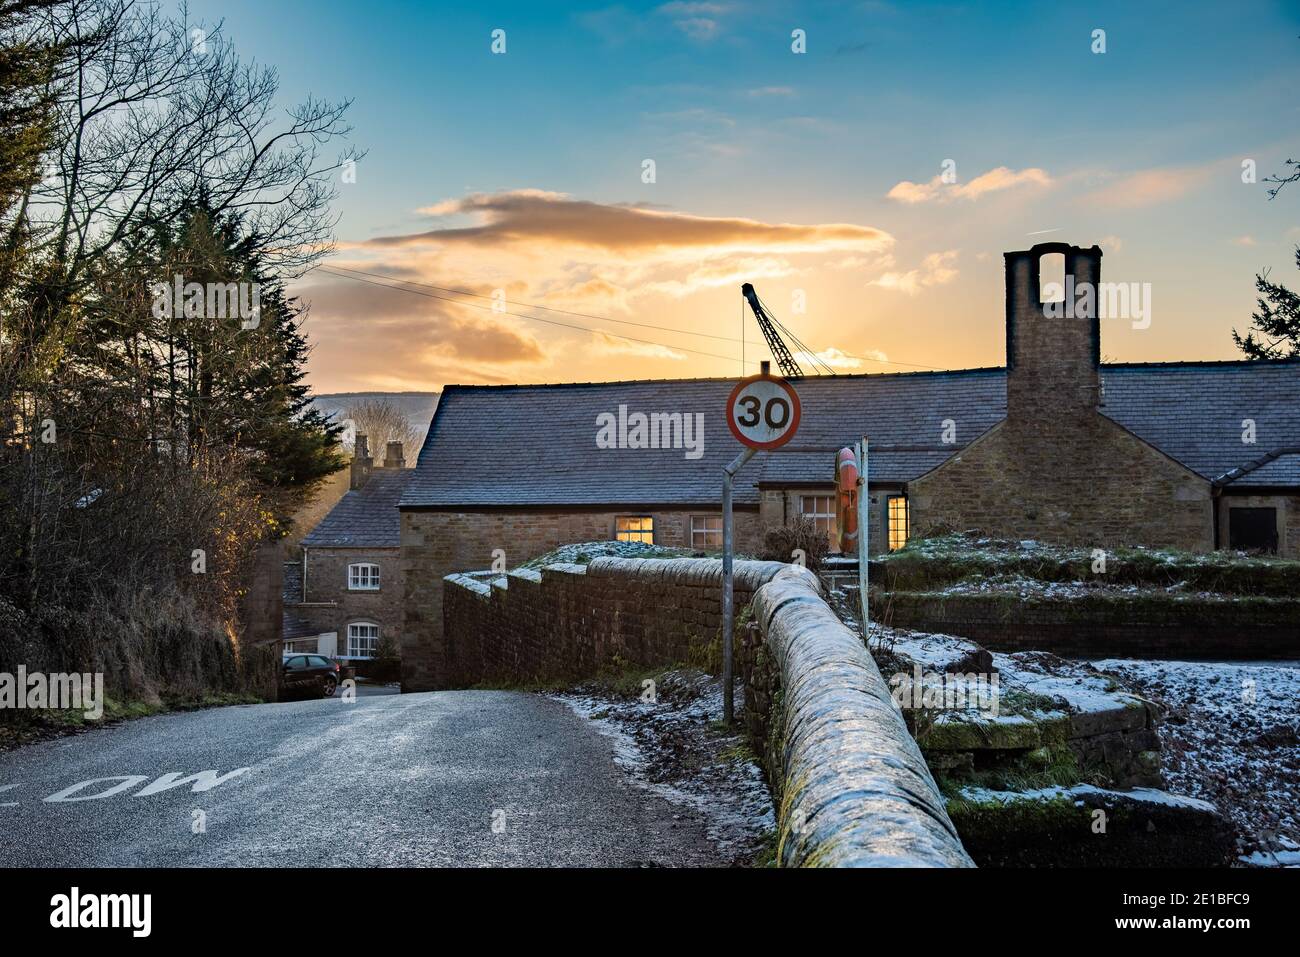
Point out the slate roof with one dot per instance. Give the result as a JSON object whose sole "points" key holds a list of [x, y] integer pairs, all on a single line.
{"points": [[536, 445], [1274, 468], [1283, 470], [366, 517], [1194, 411]]}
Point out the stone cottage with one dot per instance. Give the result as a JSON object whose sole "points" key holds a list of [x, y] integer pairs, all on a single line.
{"points": [[346, 592], [1054, 446]]}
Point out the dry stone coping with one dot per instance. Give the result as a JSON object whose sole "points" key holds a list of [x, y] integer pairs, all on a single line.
{"points": [[564, 568], [856, 791], [748, 575], [469, 583]]}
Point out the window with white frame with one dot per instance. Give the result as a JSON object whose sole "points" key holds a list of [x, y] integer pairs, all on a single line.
{"points": [[363, 639], [363, 576], [706, 531], [821, 510]]}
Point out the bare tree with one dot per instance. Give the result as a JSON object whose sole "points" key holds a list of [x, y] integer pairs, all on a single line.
{"points": [[152, 114], [1288, 175], [382, 421], [146, 118]]}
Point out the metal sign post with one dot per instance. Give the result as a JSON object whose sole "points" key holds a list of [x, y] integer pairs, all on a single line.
{"points": [[763, 414], [728, 609]]}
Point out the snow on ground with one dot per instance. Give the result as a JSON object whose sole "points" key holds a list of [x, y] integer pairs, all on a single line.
{"points": [[1232, 737], [674, 746], [1049, 590], [581, 553], [1080, 793]]}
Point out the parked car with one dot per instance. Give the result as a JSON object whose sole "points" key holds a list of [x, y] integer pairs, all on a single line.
{"points": [[312, 674]]}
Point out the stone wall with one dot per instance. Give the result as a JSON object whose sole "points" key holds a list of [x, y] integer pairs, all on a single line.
{"points": [[1288, 519], [1243, 628], [573, 621], [436, 544], [1292, 527], [261, 623], [852, 786], [328, 604]]}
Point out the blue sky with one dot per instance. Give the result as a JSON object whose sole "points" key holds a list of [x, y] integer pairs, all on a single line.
{"points": [[1137, 149]]}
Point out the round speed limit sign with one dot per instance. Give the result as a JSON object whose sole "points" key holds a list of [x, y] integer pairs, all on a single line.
{"points": [[763, 412]]}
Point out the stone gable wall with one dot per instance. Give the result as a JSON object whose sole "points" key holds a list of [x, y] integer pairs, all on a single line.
{"points": [[1073, 479], [327, 582]]}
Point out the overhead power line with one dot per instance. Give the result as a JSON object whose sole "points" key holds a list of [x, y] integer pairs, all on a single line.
{"points": [[517, 315], [344, 272], [533, 305]]}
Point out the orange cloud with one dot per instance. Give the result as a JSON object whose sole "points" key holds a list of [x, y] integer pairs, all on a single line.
{"points": [[400, 335], [1148, 187], [993, 181], [529, 215], [936, 269], [550, 262]]}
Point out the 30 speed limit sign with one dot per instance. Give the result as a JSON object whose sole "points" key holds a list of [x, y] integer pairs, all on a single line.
{"points": [[763, 412]]}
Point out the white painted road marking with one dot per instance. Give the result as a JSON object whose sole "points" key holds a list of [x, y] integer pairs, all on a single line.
{"points": [[199, 782]]}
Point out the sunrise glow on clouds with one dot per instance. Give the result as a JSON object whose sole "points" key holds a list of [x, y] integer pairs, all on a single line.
{"points": [[990, 182], [818, 177], [571, 254]]}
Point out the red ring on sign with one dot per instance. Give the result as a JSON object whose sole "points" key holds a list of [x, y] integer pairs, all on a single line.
{"points": [[797, 411]]}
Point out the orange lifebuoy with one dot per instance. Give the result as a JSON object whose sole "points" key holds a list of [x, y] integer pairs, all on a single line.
{"points": [[846, 499]]}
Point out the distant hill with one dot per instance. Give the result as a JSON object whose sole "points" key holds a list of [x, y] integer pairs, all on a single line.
{"points": [[418, 406]]}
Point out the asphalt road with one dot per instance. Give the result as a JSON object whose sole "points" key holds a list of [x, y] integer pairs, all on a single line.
{"points": [[464, 778]]}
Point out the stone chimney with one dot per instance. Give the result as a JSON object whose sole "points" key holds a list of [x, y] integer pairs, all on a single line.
{"points": [[1053, 348], [393, 456], [362, 463]]}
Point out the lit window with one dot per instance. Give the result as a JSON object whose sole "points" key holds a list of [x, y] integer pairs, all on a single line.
{"points": [[706, 531], [363, 639], [897, 522], [363, 577], [821, 509], [635, 528]]}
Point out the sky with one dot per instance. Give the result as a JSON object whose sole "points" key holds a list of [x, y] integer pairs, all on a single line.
{"points": [[866, 186]]}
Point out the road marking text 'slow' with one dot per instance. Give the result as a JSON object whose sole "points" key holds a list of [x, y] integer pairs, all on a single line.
{"points": [[199, 781]]}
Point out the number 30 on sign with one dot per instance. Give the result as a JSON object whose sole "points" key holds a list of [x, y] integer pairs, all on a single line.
{"points": [[763, 412]]}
